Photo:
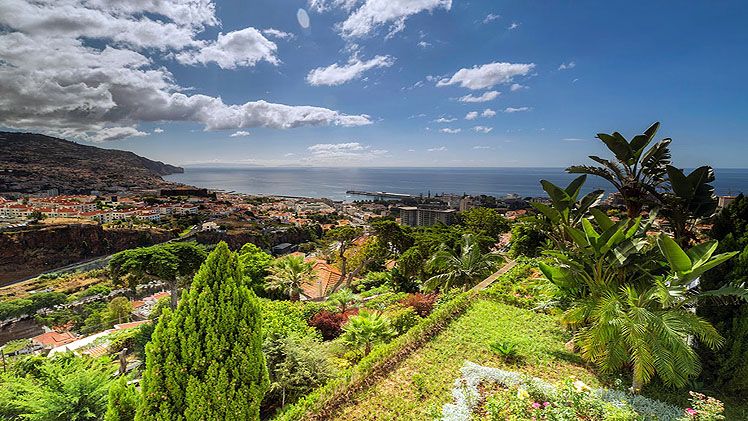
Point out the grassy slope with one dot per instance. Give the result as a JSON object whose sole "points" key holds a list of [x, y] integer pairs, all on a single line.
{"points": [[418, 387]]}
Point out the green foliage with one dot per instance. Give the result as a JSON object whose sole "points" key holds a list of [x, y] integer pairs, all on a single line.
{"points": [[256, 264], [371, 280], [21, 306], [402, 319], [461, 268], [205, 359], [691, 198], [61, 388], [505, 348], [123, 401], [484, 221], [367, 329], [528, 240], [118, 311], [288, 274], [342, 298]]}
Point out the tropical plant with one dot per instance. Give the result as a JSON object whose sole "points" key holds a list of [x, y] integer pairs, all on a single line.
{"points": [[636, 315], [635, 172], [462, 268], [506, 349], [691, 198], [205, 359], [566, 209], [288, 274], [342, 298], [367, 329]]}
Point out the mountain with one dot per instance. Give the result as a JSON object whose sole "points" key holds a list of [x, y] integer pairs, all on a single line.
{"points": [[32, 162]]}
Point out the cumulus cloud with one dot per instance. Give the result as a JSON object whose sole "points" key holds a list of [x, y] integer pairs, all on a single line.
{"points": [[472, 115], [482, 129], [450, 130], [485, 97], [487, 75], [514, 25], [55, 79], [516, 110], [370, 15], [444, 120], [240, 133], [158, 130], [488, 113], [517, 87], [347, 152], [567, 66], [437, 149], [335, 74], [490, 18]]}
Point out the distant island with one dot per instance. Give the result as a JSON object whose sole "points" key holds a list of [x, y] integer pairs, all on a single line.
{"points": [[31, 163]]}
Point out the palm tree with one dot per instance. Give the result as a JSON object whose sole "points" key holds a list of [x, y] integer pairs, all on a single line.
{"points": [[461, 268], [288, 274], [367, 329], [636, 174]]}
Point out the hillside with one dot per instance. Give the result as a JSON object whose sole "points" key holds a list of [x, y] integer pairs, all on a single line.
{"points": [[32, 162]]}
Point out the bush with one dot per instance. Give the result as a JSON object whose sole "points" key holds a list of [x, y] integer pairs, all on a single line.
{"points": [[123, 401], [403, 319], [506, 349], [330, 324], [372, 280], [421, 303]]}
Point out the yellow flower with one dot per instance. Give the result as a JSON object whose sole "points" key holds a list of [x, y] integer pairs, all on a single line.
{"points": [[580, 386], [522, 393]]}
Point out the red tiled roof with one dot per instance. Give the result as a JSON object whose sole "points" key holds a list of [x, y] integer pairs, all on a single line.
{"points": [[327, 276], [54, 339], [123, 326]]}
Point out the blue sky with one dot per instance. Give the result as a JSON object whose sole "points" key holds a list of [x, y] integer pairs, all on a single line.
{"points": [[563, 70]]}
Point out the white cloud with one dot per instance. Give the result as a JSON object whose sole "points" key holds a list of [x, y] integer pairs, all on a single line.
{"points": [[424, 44], [566, 66], [485, 97], [437, 149], [482, 129], [450, 130], [517, 87], [516, 110], [472, 115], [235, 49], [572, 139], [333, 153], [158, 130], [490, 18], [276, 33], [488, 113], [482, 147], [240, 133], [487, 75], [444, 120], [335, 74], [373, 14], [55, 80], [514, 25]]}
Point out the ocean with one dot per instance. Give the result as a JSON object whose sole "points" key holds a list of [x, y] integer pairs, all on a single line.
{"points": [[333, 183]]}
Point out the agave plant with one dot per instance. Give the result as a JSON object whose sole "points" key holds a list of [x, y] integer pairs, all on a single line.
{"points": [[692, 198], [636, 172], [566, 209]]}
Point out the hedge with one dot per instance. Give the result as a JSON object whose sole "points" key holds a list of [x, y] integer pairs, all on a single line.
{"points": [[325, 400]]}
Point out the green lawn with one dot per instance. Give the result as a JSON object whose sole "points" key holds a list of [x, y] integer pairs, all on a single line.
{"points": [[420, 385]]}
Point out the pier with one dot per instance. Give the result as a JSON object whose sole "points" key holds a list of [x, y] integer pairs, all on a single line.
{"points": [[381, 194]]}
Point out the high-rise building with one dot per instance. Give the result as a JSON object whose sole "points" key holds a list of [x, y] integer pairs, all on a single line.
{"points": [[420, 217]]}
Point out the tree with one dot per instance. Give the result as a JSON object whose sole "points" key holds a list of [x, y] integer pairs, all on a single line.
{"points": [[256, 263], [527, 239], [484, 220], [463, 267], [367, 329], [118, 310], [288, 274], [394, 237], [205, 359], [173, 263], [636, 174], [692, 198], [36, 216], [342, 238], [123, 401]]}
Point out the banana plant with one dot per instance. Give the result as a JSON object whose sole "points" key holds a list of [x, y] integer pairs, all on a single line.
{"points": [[635, 172], [691, 198], [566, 209]]}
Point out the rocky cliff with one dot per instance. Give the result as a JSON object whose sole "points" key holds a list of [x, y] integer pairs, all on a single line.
{"points": [[32, 162], [38, 249]]}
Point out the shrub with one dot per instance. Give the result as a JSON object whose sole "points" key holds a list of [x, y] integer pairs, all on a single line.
{"points": [[421, 303], [705, 408], [371, 280], [403, 319], [123, 401], [506, 349], [330, 324]]}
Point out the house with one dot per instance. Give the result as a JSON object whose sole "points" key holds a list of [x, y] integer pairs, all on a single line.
{"points": [[326, 278], [52, 339]]}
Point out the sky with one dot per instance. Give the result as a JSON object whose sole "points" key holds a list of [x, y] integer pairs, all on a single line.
{"points": [[378, 82]]}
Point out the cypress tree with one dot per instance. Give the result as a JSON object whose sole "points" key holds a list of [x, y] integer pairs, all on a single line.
{"points": [[205, 360]]}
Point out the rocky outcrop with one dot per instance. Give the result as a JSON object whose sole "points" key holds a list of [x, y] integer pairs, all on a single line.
{"points": [[32, 162], [38, 249]]}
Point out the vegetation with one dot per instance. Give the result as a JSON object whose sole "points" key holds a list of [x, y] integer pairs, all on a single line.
{"points": [[288, 274], [216, 370], [367, 329], [462, 268]]}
